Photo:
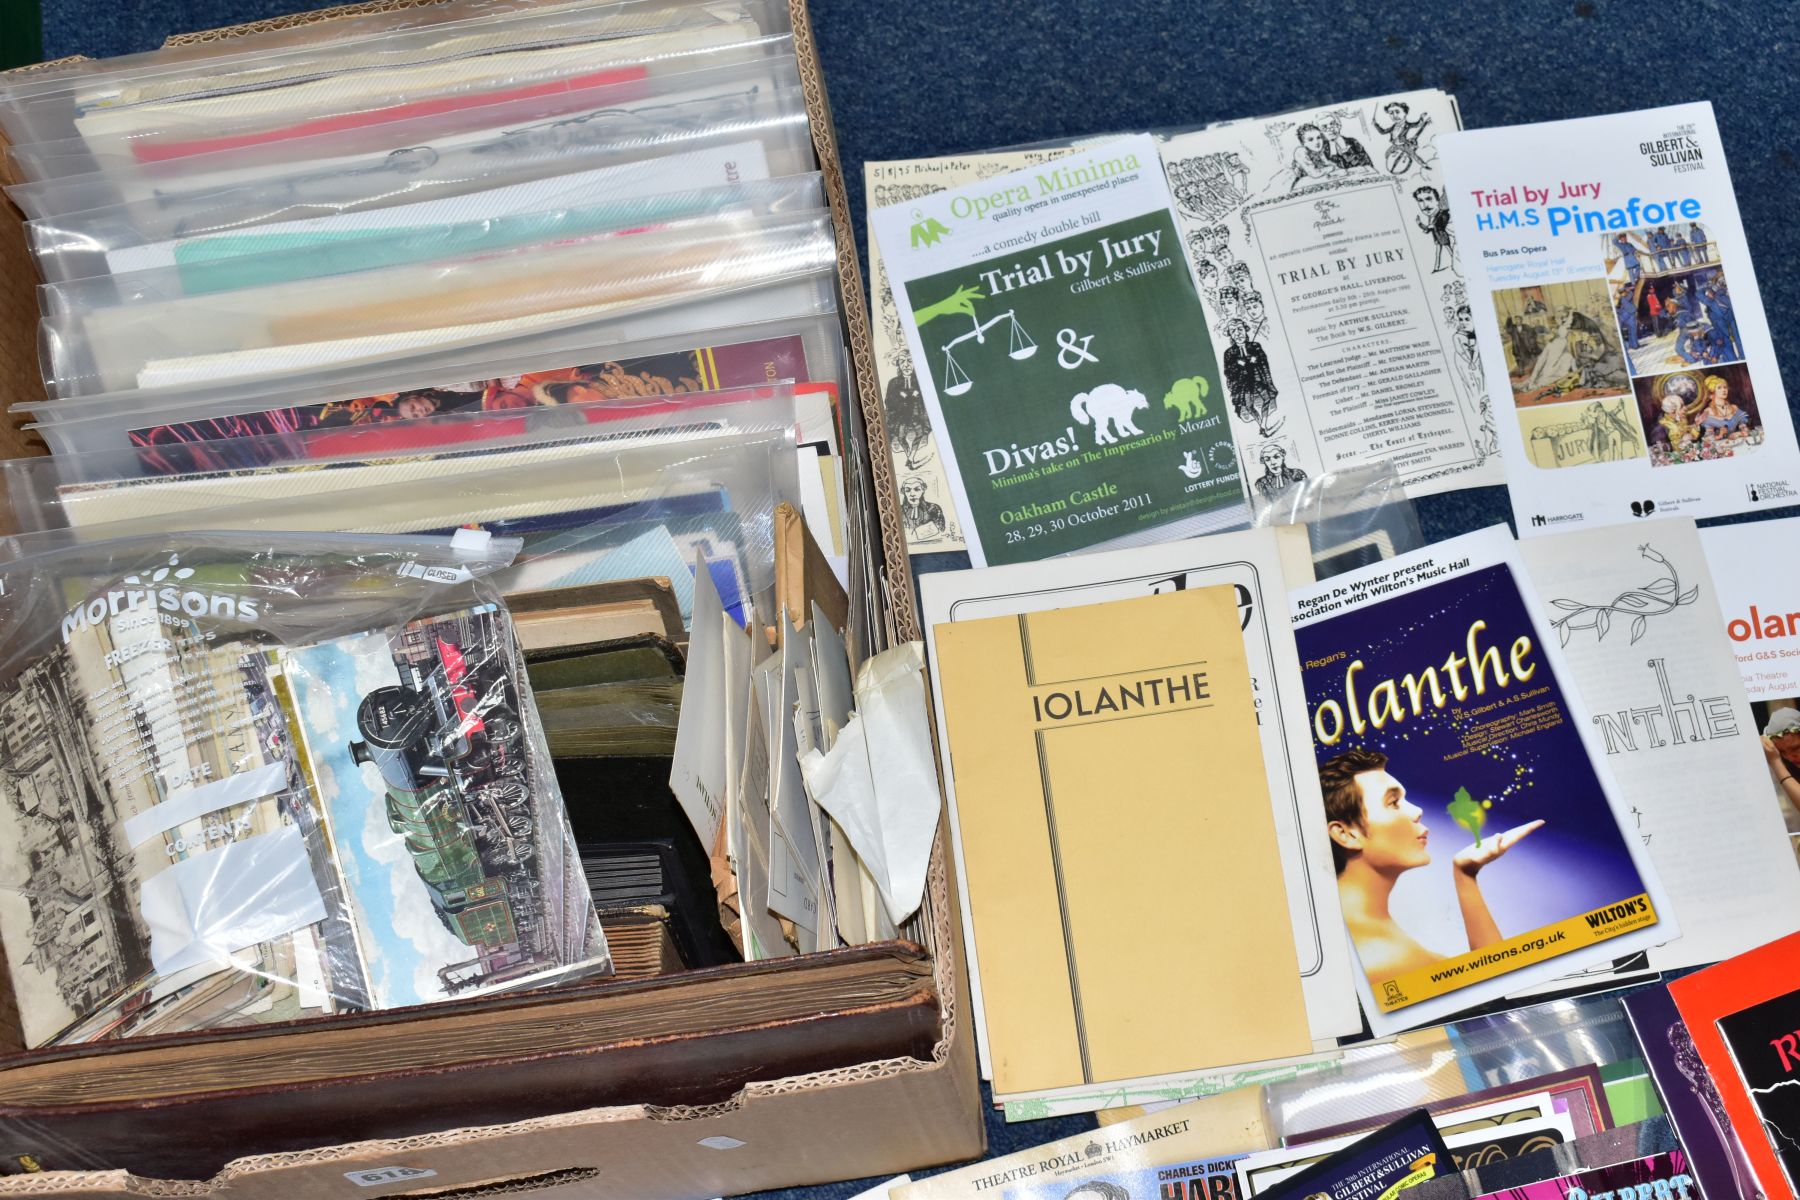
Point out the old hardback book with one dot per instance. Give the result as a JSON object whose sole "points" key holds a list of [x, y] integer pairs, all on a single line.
{"points": [[641, 941], [1112, 811], [596, 612], [181, 1105]]}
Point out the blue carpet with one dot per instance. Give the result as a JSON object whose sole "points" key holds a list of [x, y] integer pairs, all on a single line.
{"points": [[931, 77]]}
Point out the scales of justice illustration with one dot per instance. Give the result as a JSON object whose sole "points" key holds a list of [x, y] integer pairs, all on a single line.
{"points": [[1019, 348]]}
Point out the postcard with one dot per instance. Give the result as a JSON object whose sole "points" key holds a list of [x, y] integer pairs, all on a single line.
{"points": [[1639, 623], [1443, 711], [1074, 742], [1258, 565], [1325, 250], [450, 842], [1062, 351], [1759, 599], [1619, 321], [927, 508]]}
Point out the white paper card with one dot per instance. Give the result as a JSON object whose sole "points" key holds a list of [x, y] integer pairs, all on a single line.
{"points": [[1639, 623], [1619, 321]]}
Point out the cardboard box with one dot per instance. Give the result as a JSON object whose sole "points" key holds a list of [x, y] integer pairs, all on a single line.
{"points": [[878, 1118]]}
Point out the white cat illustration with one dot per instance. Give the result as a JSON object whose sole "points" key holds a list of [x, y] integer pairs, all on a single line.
{"points": [[1109, 404]]}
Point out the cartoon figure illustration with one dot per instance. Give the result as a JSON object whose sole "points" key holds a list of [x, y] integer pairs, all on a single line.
{"points": [[1206, 271], [1109, 405], [1277, 476], [1344, 150], [924, 520], [1403, 132], [1218, 247], [1692, 333], [1434, 218], [908, 425], [1660, 247], [1678, 250], [1249, 381], [1468, 353], [1210, 185], [1188, 397], [1610, 436], [1310, 160], [1229, 302], [1255, 316], [1190, 466]]}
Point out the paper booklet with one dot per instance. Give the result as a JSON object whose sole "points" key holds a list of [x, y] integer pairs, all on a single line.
{"points": [[1324, 248], [1259, 565], [1759, 595], [927, 508], [1638, 621], [1619, 320], [1063, 356], [1095, 750], [1480, 839]]}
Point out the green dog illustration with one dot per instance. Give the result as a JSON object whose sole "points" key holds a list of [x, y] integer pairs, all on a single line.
{"points": [[1188, 397]]}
